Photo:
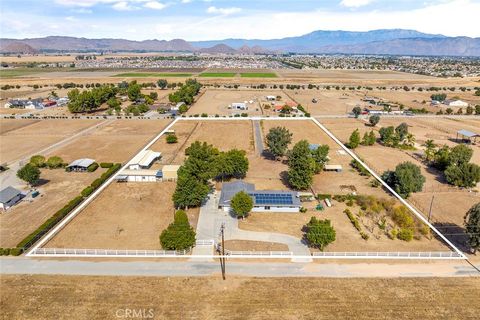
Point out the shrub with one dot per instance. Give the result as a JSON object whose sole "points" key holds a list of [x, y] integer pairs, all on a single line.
{"points": [[16, 251], [38, 161], [405, 234], [54, 162], [323, 196], [171, 138], [353, 219], [106, 165], [87, 191], [364, 235], [402, 217], [179, 235], [320, 233], [303, 210], [92, 167]]}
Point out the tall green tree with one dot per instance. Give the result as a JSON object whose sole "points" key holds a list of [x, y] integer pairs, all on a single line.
{"points": [[200, 161], [179, 235], [162, 83], [231, 164], [406, 178], [38, 161], [374, 120], [402, 131], [464, 175], [430, 150], [459, 155], [354, 139], [356, 111], [29, 174], [189, 192], [278, 139], [242, 204], [472, 227], [320, 233], [134, 91], [320, 156], [301, 166]]}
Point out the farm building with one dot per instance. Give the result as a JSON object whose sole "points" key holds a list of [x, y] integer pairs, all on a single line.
{"points": [[271, 98], [80, 165], [239, 106], [144, 160], [9, 197], [263, 201], [169, 172], [468, 136], [455, 103], [333, 167], [138, 175]]}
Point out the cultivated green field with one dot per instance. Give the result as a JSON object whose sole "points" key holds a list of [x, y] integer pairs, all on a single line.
{"points": [[152, 74], [218, 74], [19, 72], [258, 75]]}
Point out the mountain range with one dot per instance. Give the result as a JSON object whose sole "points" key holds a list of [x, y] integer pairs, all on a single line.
{"points": [[383, 41]]}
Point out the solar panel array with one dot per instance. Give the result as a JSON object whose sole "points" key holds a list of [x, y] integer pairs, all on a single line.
{"points": [[273, 198]]}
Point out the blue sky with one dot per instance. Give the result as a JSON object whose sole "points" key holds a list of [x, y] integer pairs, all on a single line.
{"points": [[218, 19]]}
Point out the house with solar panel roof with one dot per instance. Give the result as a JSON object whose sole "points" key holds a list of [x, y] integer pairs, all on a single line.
{"points": [[263, 200]]}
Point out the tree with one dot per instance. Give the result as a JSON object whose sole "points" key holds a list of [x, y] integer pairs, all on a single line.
{"points": [[162, 83], [153, 95], [134, 91], [320, 157], [356, 111], [369, 138], [242, 204], [200, 163], [171, 138], [278, 139], [29, 174], [38, 161], [441, 158], [409, 140], [54, 162], [438, 96], [429, 150], [402, 131], [374, 120], [354, 140], [388, 136], [472, 227], [232, 164], [114, 103], [189, 192], [464, 175], [301, 166], [320, 233], [460, 154], [406, 178], [179, 235]]}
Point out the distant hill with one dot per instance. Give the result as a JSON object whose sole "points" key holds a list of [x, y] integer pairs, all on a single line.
{"points": [[18, 47], [384, 41]]}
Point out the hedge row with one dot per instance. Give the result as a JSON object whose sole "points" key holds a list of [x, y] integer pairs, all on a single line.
{"points": [[92, 167], [106, 165], [10, 251], [60, 214]]}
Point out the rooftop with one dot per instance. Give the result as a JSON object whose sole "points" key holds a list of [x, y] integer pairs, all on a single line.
{"points": [[85, 163], [467, 133], [8, 194], [260, 197], [145, 158]]}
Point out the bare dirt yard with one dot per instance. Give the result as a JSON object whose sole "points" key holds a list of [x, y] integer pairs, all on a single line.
{"points": [[218, 101], [124, 216], [23, 137], [117, 141], [239, 245], [58, 188], [329, 102], [80, 297]]}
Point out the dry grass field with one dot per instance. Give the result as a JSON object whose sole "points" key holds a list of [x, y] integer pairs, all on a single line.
{"points": [[124, 216], [88, 297], [21, 138], [117, 141], [239, 245], [25, 217]]}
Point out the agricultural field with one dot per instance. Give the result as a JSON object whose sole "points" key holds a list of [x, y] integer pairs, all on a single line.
{"points": [[258, 75], [217, 74], [124, 216], [22, 138], [218, 101], [211, 297], [57, 187], [152, 75]]}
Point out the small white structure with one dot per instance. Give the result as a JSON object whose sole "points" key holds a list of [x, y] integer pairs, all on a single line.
{"points": [[455, 103], [80, 165], [9, 197], [333, 167], [271, 98], [169, 172], [141, 175], [144, 160], [239, 106]]}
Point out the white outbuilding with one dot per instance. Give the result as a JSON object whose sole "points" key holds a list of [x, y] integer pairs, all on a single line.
{"points": [[239, 106], [455, 103], [9, 197], [144, 160]]}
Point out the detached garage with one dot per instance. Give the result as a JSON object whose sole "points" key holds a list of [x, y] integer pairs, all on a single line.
{"points": [[129, 175]]}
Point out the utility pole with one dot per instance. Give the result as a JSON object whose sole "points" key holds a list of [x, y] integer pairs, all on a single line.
{"points": [[222, 259], [430, 211]]}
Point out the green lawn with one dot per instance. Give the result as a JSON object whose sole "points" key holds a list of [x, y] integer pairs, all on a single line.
{"points": [[18, 72], [218, 74], [152, 74], [258, 75]]}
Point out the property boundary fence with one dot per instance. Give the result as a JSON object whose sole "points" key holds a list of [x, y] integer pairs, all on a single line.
{"points": [[106, 252], [428, 255]]}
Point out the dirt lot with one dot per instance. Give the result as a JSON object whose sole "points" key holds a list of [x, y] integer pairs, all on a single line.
{"points": [[217, 101], [81, 297], [60, 187], [24, 137], [239, 245], [124, 216], [117, 141], [328, 101]]}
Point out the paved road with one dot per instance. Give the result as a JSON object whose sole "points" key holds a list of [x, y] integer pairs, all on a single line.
{"points": [[211, 219], [21, 265], [258, 137]]}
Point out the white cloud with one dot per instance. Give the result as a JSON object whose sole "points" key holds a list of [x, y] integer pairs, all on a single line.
{"points": [[355, 3], [82, 10], [223, 11], [186, 1], [71, 18], [155, 5], [123, 6]]}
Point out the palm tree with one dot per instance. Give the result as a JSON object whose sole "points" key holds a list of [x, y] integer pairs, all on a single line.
{"points": [[429, 149], [409, 140]]}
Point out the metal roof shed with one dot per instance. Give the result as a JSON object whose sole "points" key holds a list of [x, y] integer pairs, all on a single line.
{"points": [[471, 136]]}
